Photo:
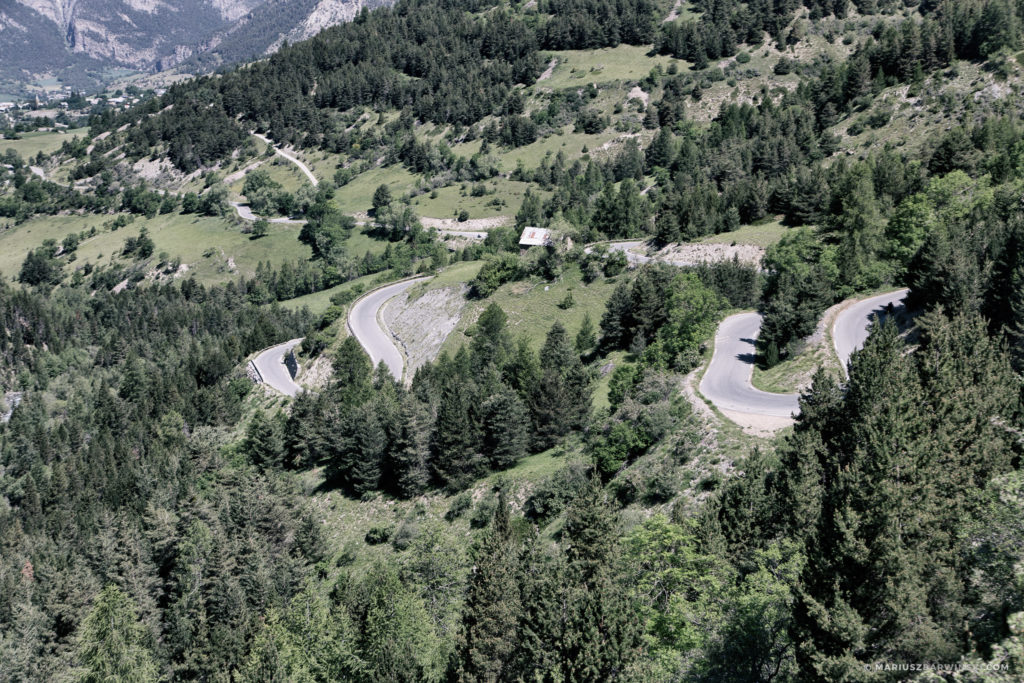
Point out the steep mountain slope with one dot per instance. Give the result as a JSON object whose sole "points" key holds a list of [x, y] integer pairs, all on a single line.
{"points": [[79, 42]]}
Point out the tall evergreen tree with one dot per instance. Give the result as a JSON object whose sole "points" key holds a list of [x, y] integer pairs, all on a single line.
{"points": [[113, 646], [454, 441], [352, 372], [360, 450], [492, 612], [263, 442], [505, 427], [602, 634], [561, 400], [406, 468], [586, 338]]}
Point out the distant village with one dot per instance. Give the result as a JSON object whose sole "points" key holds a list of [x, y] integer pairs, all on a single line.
{"points": [[61, 108]]}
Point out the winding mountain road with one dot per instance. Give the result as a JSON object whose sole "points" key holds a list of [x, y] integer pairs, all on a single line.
{"points": [[727, 381], [245, 213], [270, 364], [289, 157], [851, 326], [366, 327]]}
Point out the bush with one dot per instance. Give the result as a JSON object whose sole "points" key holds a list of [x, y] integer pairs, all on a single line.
{"points": [[615, 263], [481, 516], [378, 534], [348, 554], [784, 66], [553, 494], [880, 117], [494, 273], [459, 506], [743, 58], [405, 535]]}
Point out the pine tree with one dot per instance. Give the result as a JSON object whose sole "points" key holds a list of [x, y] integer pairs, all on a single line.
{"points": [[263, 442], [561, 400], [397, 641], [352, 372], [586, 338], [310, 641], [454, 441], [602, 632], [492, 611], [529, 213], [893, 492], [522, 371], [557, 352], [661, 150], [505, 428], [113, 645], [381, 198], [361, 450], [491, 344], [406, 468]]}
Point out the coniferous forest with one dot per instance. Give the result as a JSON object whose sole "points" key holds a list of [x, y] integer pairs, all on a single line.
{"points": [[546, 495]]}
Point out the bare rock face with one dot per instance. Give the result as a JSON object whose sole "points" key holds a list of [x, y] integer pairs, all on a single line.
{"points": [[75, 40], [327, 13]]}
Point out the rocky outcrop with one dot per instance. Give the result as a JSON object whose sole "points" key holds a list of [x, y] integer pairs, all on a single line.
{"points": [[327, 13]]}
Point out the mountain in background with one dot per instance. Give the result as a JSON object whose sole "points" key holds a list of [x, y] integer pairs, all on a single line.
{"points": [[85, 43]]}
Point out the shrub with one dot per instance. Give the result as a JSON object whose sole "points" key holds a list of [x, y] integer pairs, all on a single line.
{"points": [[494, 273], [378, 534], [459, 506]]}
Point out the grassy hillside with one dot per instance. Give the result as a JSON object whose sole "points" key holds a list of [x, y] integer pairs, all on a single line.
{"points": [[47, 142]]}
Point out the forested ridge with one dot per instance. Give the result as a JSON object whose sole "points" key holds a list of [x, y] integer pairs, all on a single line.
{"points": [[541, 500]]}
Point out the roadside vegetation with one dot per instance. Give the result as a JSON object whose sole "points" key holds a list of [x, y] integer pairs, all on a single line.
{"points": [[545, 499]]}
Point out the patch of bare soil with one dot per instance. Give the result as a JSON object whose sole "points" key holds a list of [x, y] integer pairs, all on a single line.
{"points": [[764, 426], [551, 66], [465, 226], [315, 374], [421, 325], [674, 14], [638, 94], [693, 254]]}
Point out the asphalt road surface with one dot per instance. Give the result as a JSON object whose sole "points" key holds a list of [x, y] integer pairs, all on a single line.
{"points": [[726, 382], [245, 213], [851, 328], [366, 328], [271, 365]]}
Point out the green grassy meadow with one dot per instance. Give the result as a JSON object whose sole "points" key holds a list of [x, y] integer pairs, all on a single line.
{"points": [[762, 235], [213, 248], [33, 143], [577, 68], [532, 307]]}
